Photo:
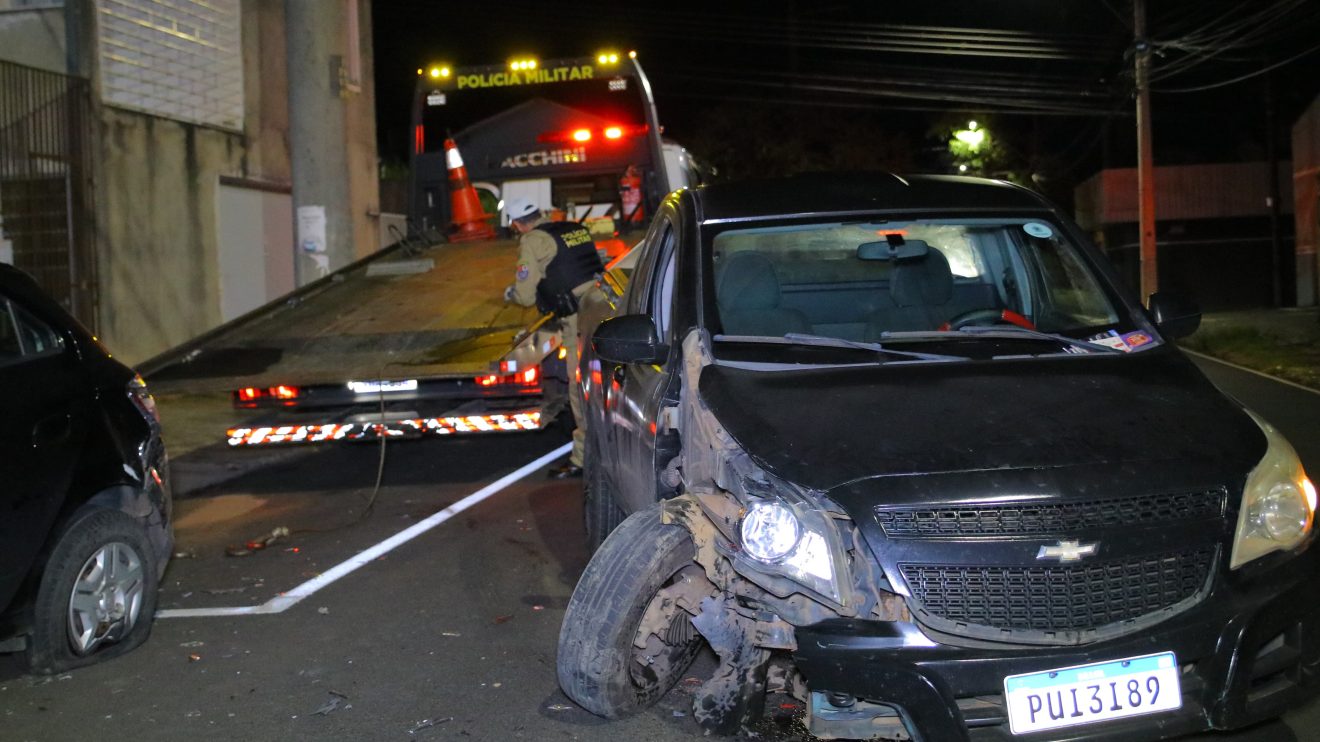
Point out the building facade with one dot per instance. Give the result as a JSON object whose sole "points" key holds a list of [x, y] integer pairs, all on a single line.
{"points": [[1221, 239], [167, 130]]}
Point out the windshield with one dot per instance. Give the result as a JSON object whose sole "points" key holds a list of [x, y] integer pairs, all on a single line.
{"points": [[906, 280]]}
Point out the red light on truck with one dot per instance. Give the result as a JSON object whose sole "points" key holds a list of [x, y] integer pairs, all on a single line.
{"points": [[284, 392], [248, 394], [582, 135], [613, 132], [527, 377]]}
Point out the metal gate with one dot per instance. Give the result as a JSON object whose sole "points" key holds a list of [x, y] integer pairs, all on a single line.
{"points": [[46, 216]]}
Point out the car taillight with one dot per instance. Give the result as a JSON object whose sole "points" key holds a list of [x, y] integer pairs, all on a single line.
{"points": [[142, 399]]}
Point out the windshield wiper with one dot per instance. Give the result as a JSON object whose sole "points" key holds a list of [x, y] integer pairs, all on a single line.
{"points": [[822, 341], [1006, 332]]}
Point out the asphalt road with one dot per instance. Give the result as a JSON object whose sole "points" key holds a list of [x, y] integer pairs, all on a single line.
{"points": [[451, 635]]}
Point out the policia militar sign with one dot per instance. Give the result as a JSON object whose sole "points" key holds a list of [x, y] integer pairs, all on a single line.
{"points": [[496, 76]]}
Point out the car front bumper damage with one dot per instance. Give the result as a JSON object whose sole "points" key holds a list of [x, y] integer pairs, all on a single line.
{"points": [[1246, 653]]}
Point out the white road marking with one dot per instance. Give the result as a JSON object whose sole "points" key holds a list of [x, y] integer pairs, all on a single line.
{"points": [[1261, 374], [287, 600]]}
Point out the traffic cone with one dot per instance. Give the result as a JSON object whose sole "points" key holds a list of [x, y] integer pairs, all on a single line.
{"points": [[470, 221]]}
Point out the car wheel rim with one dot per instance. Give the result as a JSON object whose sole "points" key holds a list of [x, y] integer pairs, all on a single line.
{"points": [[107, 597]]}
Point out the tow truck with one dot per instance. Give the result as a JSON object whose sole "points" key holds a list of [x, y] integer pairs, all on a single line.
{"points": [[416, 339]]}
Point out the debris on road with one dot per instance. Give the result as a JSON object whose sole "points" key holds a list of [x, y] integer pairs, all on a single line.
{"points": [[189, 554], [192, 644], [335, 702], [559, 707], [427, 723], [258, 544], [503, 619], [450, 633], [225, 590], [323, 611], [194, 658]]}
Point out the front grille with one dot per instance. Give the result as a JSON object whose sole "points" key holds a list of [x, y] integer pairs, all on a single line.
{"points": [[1026, 518], [1058, 598]]}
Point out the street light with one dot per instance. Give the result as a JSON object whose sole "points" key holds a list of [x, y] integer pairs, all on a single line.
{"points": [[973, 136]]}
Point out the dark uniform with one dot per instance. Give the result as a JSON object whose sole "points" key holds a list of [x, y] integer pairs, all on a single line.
{"points": [[557, 264]]}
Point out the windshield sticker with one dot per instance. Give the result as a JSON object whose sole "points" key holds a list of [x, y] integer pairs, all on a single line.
{"points": [[1110, 339], [1137, 339], [1036, 229]]}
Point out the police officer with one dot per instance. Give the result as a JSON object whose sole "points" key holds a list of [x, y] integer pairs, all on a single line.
{"points": [[557, 263]]}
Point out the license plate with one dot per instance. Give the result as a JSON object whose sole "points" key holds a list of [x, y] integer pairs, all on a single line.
{"points": [[376, 387], [1086, 694]]}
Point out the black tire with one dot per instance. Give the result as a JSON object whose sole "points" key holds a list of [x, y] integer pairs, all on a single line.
{"points": [[50, 645], [601, 513], [596, 640]]}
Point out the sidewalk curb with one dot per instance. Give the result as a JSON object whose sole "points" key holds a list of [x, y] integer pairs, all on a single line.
{"points": [[1261, 374]]}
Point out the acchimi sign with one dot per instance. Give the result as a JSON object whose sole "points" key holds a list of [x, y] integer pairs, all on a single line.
{"points": [[547, 157], [526, 77]]}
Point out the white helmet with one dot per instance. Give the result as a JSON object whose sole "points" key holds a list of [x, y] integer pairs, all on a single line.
{"points": [[521, 208]]}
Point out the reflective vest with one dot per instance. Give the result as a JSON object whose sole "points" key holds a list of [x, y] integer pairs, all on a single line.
{"points": [[575, 262]]}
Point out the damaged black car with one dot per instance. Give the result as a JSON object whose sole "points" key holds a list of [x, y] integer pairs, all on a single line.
{"points": [[905, 449]]}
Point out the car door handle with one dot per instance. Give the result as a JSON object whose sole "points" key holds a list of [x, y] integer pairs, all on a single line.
{"points": [[52, 430]]}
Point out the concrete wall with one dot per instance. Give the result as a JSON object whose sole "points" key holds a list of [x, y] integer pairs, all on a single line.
{"points": [[157, 190], [363, 165], [1306, 190], [158, 193]]}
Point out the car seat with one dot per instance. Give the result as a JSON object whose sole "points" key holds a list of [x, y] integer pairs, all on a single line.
{"points": [[749, 295], [922, 291]]}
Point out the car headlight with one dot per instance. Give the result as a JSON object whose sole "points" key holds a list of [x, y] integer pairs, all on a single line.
{"points": [[785, 536], [1278, 502], [770, 531]]}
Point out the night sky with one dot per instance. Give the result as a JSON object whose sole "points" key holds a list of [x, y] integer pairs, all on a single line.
{"points": [[756, 85]]}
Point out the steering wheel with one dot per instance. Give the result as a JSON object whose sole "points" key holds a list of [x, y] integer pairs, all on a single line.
{"points": [[992, 316]]}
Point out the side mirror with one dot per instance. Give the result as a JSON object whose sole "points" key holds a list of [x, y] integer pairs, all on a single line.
{"points": [[1175, 316], [630, 339]]}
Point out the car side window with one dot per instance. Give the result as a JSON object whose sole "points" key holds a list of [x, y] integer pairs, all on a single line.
{"points": [[661, 295], [23, 336], [640, 282]]}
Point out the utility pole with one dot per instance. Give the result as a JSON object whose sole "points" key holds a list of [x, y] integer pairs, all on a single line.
{"points": [[1145, 164], [318, 148]]}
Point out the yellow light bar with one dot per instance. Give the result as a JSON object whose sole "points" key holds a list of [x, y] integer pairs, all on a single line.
{"points": [[608, 58], [439, 70], [518, 65]]}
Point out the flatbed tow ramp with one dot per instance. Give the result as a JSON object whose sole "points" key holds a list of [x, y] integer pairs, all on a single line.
{"points": [[414, 340]]}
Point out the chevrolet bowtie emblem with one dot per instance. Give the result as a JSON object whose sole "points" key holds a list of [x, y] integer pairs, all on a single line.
{"points": [[1067, 551]]}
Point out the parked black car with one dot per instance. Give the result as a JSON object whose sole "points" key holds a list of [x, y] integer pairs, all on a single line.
{"points": [[85, 530], [904, 448]]}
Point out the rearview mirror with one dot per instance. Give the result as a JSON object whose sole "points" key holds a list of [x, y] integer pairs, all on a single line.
{"points": [[892, 250], [1175, 316], [629, 339]]}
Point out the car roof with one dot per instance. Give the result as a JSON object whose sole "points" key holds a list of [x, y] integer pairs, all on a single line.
{"points": [[825, 193]]}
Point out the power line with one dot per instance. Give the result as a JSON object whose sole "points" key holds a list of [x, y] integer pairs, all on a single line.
{"points": [[1240, 78]]}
